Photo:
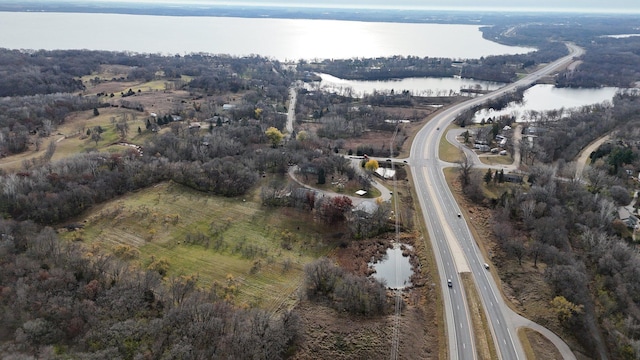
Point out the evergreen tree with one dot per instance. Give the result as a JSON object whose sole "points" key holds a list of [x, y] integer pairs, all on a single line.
{"points": [[488, 176], [321, 176]]}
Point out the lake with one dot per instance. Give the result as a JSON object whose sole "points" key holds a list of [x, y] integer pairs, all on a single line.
{"points": [[417, 86], [281, 39], [540, 98]]}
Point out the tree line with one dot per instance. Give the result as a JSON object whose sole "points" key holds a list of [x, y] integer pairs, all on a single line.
{"points": [[220, 162], [608, 61], [58, 302]]}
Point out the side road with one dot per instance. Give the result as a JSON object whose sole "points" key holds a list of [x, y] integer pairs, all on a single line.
{"points": [[386, 193]]}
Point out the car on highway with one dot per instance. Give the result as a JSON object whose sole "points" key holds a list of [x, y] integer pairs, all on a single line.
{"points": [[486, 266], [449, 283]]}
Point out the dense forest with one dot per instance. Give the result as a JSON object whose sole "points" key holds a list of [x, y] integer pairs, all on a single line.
{"points": [[57, 302], [610, 58]]}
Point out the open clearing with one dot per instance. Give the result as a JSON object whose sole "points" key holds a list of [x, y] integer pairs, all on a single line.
{"points": [[221, 240]]}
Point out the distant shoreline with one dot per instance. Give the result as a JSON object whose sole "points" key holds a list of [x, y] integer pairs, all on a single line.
{"points": [[453, 16]]}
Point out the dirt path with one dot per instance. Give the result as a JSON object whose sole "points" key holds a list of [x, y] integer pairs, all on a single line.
{"points": [[291, 111], [583, 156]]}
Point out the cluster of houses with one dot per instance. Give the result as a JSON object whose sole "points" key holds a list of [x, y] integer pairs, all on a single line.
{"points": [[155, 121], [500, 144]]}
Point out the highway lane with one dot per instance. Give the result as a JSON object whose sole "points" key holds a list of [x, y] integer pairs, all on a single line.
{"points": [[458, 323], [450, 234]]}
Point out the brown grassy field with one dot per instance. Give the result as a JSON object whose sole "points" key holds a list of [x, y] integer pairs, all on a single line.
{"points": [[243, 240], [158, 96], [152, 225]]}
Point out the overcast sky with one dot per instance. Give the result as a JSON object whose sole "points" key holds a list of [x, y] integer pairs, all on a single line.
{"points": [[619, 6]]}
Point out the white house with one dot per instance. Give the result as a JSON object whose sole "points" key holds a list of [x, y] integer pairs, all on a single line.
{"points": [[385, 173]]}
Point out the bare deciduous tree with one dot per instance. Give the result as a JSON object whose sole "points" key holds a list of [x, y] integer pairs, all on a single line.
{"points": [[465, 166]]}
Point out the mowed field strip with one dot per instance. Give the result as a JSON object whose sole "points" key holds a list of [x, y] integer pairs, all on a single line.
{"points": [[244, 240]]}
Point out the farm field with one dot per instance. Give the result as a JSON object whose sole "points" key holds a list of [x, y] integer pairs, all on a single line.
{"points": [[253, 256]]}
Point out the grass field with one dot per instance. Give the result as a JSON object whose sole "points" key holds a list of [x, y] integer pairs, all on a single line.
{"points": [[485, 346], [252, 255], [447, 151], [71, 138], [496, 159]]}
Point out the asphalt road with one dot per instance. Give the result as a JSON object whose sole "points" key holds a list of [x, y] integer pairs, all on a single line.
{"points": [[455, 249]]}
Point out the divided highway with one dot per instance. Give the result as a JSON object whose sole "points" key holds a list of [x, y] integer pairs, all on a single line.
{"points": [[455, 249]]}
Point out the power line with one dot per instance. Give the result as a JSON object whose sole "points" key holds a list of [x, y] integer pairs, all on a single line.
{"points": [[395, 337]]}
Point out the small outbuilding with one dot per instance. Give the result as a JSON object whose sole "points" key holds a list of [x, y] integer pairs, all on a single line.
{"points": [[385, 173]]}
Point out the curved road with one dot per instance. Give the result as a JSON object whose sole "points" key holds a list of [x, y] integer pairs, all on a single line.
{"points": [[455, 249], [452, 134]]}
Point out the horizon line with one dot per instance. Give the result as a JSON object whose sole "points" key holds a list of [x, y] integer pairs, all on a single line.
{"points": [[202, 4]]}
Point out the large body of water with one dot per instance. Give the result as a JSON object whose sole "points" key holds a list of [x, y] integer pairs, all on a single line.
{"points": [[282, 39]]}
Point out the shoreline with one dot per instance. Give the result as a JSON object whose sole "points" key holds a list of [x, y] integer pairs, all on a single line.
{"points": [[435, 16]]}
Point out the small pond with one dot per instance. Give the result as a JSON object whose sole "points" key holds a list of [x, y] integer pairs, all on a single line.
{"points": [[394, 268]]}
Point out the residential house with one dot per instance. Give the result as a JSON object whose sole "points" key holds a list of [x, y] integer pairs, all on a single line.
{"points": [[625, 213]]}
